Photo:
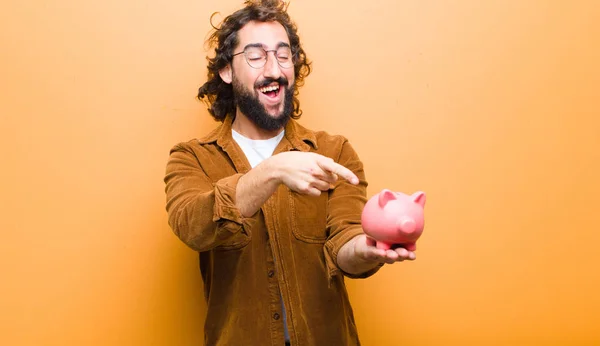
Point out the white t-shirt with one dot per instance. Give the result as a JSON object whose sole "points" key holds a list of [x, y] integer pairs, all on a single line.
{"points": [[257, 150]]}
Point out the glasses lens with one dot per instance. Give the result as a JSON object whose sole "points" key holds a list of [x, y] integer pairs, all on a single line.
{"points": [[256, 57], [284, 57]]}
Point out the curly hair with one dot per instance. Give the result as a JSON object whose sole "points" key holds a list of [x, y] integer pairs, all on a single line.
{"points": [[217, 94]]}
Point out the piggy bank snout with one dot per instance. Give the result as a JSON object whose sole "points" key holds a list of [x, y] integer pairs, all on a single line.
{"points": [[407, 225]]}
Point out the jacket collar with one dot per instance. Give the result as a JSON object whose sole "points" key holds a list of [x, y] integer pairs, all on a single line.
{"points": [[299, 137]]}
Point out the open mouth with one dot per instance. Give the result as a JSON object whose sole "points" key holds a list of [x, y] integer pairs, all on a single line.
{"points": [[271, 90]]}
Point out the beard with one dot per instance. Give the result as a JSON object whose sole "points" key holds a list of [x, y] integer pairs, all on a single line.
{"points": [[250, 105]]}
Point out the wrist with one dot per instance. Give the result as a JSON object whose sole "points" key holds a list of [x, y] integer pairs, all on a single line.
{"points": [[360, 258], [272, 171], [352, 261]]}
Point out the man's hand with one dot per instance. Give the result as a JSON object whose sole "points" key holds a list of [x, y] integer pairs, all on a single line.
{"points": [[305, 173], [309, 173], [359, 255], [364, 247]]}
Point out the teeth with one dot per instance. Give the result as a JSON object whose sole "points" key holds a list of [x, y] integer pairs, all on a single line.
{"points": [[269, 88]]}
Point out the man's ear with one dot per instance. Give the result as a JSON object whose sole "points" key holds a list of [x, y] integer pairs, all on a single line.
{"points": [[225, 74]]}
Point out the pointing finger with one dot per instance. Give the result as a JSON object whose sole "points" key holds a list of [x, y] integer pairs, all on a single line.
{"points": [[337, 169]]}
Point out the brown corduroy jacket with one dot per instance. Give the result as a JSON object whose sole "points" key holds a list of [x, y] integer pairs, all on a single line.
{"points": [[287, 250]]}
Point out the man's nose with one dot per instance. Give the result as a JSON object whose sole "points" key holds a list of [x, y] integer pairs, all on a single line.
{"points": [[272, 68]]}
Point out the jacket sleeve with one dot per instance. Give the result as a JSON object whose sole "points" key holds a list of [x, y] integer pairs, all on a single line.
{"points": [[346, 202], [202, 213]]}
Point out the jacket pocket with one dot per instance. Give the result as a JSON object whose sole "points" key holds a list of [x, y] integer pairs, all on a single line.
{"points": [[309, 217]]}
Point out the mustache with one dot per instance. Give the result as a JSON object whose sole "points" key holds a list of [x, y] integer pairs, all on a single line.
{"points": [[263, 83]]}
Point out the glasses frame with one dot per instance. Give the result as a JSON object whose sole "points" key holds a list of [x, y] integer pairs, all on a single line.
{"points": [[292, 58]]}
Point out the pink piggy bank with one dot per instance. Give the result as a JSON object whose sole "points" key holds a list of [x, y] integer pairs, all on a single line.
{"points": [[394, 218]]}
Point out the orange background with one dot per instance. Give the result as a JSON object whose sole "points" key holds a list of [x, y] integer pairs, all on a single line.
{"points": [[490, 107]]}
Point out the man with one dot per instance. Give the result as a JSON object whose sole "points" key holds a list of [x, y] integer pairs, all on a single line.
{"points": [[272, 208]]}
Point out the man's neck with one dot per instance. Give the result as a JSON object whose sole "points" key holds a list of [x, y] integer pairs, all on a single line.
{"points": [[245, 127]]}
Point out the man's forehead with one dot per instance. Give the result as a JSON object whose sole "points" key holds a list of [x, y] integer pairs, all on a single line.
{"points": [[267, 34]]}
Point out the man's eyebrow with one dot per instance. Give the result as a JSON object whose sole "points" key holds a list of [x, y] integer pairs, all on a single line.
{"points": [[256, 45], [260, 45]]}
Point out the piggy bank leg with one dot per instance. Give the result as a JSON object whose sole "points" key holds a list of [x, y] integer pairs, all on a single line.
{"points": [[410, 246], [382, 245]]}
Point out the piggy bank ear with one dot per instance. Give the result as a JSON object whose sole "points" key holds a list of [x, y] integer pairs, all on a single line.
{"points": [[386, 196], [419, 198]]}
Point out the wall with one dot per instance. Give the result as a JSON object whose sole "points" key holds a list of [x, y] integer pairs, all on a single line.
{"points": [[487, 107]]}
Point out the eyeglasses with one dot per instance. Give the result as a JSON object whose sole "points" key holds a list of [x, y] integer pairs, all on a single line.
{"points": [[256, 57]]}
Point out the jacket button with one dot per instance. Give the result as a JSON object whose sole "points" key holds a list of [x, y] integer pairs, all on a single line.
{"points": [[276, 316], [271, 273]]}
